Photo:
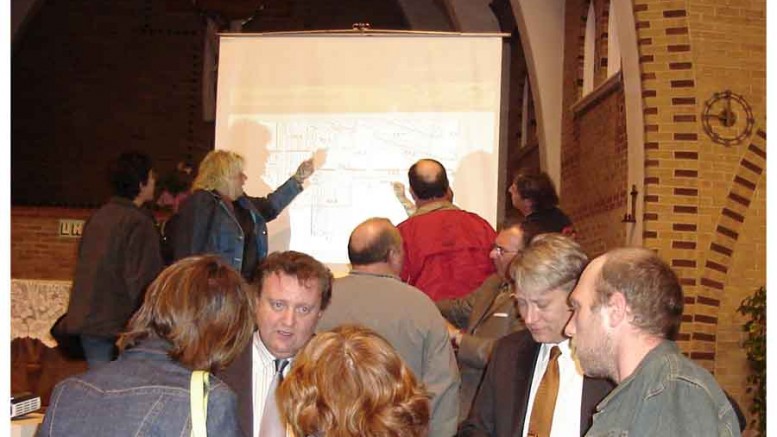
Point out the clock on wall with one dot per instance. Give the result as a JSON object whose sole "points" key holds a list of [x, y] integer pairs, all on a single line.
{"points": [[727, 118]]}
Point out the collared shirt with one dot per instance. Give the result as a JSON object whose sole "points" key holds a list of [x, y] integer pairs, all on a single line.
{"points": [[263, 372], [435, 206], [570, 391]]}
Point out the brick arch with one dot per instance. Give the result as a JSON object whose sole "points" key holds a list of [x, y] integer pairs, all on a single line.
{"points": [[697, 238], [748, 176], [581, 45], [671, 149], [602, 11]]}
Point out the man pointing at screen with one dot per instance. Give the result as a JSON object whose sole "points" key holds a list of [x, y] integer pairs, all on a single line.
{"points": [[446, 248]]}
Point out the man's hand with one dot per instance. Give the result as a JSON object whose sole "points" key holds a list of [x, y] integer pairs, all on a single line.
{"points": [[399, 192], [304, 170], [454, 333]]}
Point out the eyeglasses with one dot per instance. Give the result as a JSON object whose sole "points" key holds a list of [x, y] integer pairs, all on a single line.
{"points": [[500, 251]]}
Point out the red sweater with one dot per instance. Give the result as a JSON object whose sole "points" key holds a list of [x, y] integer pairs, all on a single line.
{"points": [[446, 252]]}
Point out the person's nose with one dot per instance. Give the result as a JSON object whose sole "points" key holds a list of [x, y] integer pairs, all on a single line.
{"points": [[570, 329], [288, 317], [530, 315]]}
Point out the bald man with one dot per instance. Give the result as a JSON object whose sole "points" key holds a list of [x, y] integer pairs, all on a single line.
{"points": [[626, 308], [446, 248], [373, 295]]}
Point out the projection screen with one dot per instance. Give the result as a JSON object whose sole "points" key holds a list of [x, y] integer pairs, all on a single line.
{"points": [[367, 106]]}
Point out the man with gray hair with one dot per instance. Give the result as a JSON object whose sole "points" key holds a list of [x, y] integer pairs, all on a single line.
{"points": [[532, 386], [373, 295], [627, 308]]}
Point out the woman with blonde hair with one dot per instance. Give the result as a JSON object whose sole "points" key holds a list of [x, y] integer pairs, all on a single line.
{"points": [[219, 218], [197, 315], [351, 382]]}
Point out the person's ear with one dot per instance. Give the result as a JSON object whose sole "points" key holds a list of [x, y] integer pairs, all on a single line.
{"points": [[413, 195], [396, 258], [617, 309]]}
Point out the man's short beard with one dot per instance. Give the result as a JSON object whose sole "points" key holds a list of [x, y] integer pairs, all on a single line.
{"points": [[599, 361]]}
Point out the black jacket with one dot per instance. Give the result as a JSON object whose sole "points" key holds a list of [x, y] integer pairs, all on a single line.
{"points": [[118, 257]]}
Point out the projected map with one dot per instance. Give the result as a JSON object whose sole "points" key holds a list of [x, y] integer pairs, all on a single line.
{"points": [[357, 157]]}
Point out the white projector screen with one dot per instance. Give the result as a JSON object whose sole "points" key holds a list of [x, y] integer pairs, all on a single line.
{"points": [[367, 106]]}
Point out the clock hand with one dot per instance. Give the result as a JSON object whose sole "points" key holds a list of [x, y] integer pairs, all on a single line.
{"points": [[728, 122]]}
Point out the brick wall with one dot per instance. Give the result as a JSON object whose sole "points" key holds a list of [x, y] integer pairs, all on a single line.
{"points": [[91, 79], [94, 78], [594, 170], [706, 200], [594, 162], [37, 251]]}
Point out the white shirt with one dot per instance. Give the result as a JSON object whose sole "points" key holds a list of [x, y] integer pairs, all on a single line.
{"points": [[570, 391], [262, 374]]}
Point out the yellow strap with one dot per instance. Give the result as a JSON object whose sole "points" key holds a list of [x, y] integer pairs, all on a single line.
{"points": [[199, 402]]}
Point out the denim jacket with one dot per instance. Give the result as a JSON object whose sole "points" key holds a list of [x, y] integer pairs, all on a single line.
{"points": [[667, 395], [207, 225], [143, 393]]}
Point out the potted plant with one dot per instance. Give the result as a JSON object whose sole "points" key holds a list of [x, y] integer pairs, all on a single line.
{"points": [[754, 307]]}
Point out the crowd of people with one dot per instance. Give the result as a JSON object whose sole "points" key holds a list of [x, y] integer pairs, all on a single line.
{"points": [[442, 327]]}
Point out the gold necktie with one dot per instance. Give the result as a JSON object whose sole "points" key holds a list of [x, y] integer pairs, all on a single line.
{"points": [[545, 399]]}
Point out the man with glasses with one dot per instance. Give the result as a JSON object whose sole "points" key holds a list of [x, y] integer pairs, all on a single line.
{"points": [[533, 386], [478, 320]]}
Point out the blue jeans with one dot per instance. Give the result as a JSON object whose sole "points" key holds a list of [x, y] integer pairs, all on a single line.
{"points": [[98, 350]]}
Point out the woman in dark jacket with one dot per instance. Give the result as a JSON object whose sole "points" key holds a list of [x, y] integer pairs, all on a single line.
{"points": [[219, 218], [197, 315]]}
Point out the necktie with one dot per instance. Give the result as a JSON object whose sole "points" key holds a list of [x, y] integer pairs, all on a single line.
{"points": [[272, 426], [545, 399]]}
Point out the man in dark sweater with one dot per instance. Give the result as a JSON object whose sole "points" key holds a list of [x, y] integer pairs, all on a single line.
{"points": [[119, 255]]}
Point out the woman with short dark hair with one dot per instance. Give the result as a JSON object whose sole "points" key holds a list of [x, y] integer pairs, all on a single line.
{"points": [[197, 315]]}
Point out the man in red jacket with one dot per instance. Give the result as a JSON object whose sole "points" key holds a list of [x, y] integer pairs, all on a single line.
{"points": [[446, 248]]}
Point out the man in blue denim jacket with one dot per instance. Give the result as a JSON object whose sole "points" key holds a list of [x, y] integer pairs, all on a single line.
{"points": [[627, 306]]}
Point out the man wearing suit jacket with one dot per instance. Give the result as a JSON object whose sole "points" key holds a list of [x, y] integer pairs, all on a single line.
{"points": [[294, 290], [544, 275], [478, 320]]}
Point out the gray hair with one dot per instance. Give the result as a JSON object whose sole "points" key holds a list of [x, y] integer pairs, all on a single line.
{"points": [[550, 261]]}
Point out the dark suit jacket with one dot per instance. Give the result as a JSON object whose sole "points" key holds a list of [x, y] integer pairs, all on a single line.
{"points": [[486, 314], [239, 377], [500, 405]]}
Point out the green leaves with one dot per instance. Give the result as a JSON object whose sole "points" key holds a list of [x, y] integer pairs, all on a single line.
{"points": [[754, 307]]}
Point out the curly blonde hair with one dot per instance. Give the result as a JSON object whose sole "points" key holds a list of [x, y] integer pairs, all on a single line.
{"points": [[351, 382], [216, 169]]}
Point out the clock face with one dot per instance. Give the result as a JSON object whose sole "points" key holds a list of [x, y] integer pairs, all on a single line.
{"points": [[727, 118]]}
